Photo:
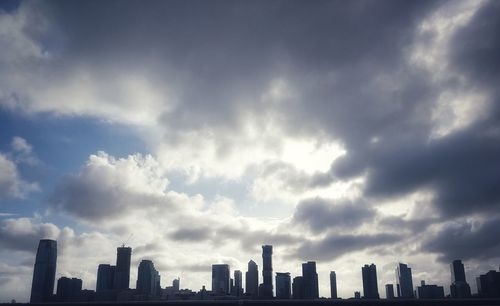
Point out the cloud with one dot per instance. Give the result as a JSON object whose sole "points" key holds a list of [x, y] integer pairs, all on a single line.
{"points": [[320, 214], [11, 183], [335, 245], [470, 239]]}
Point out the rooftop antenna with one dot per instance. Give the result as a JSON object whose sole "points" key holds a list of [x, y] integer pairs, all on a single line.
{"points": [[128, 239]]}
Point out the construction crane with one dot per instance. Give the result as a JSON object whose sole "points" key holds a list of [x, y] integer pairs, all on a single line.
{"points": [[128, 239]]}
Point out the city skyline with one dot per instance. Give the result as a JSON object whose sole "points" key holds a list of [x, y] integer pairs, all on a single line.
{"points": [[342, 133], [111, 286]]}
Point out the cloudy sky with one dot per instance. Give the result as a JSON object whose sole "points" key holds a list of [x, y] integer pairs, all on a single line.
{"points": [[346, 132]]}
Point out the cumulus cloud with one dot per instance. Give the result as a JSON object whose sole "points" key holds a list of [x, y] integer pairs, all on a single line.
{"points": [[11, 183], [322, 214], [466, 239]]}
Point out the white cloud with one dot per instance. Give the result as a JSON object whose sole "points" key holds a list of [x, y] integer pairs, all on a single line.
{"points": [[11, 183]]}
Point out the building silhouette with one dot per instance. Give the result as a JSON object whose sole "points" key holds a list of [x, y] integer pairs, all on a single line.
{"points": [[429, 291], [148, 279], [488, 285], [44, 273], [310, 280], [389, 291], [267, 272], [176, 284], [220, 279], [297, 288], [459, 287], [68, 289], [333, 285], [105, 277], [404, 281], [283, 286], [252, 280], [238, 283], [370, 287], [122, 269]]}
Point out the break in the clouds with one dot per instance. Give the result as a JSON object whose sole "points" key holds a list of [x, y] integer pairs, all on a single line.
{"points": [[326, 128]]}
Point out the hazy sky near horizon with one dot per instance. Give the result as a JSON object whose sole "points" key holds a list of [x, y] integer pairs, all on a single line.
{"points": [[345, 132]]}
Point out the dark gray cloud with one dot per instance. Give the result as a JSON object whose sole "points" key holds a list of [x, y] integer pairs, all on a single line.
{"points": [[322, 214], [192, 234], [23, 235], [336, 245], [472, 239]]}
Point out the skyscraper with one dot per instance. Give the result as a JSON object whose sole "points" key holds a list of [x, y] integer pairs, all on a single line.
{"points": [[389, 291], [283, 285], [333, 285], [220, 279], [267, 271], [68, 289], [238, 285], [122, 269], [105, 277], [310, 287], [147, 278], [370, 287], [404, 280], [252, 280], [459, 287], [44, 273], [297, 288]]}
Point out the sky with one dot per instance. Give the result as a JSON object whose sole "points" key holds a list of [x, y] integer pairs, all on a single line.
{"points": [[344, 132]]}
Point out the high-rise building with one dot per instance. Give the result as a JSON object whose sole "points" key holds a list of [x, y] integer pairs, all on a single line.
{"points": [[430, 291], [68, 289], [238, 284], [404, 280], [283, 285], [389, 291], [310, 287], [176, 284], [44, 273], [370, 287], [333, 285], [459, 287], [297, 288], [122, 269], [252, 280], [105, 277], [220, 279], [267, 272], [488, 285], [148, 278]]}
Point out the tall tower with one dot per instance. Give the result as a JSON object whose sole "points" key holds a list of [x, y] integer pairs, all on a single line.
{"points": [[404, 281], [220, 279], [310, 287], [459, 287], [238, 286], [44, 273], [122, 269], [267, 271], [252, 280], [333, 285], [370, 287]]}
